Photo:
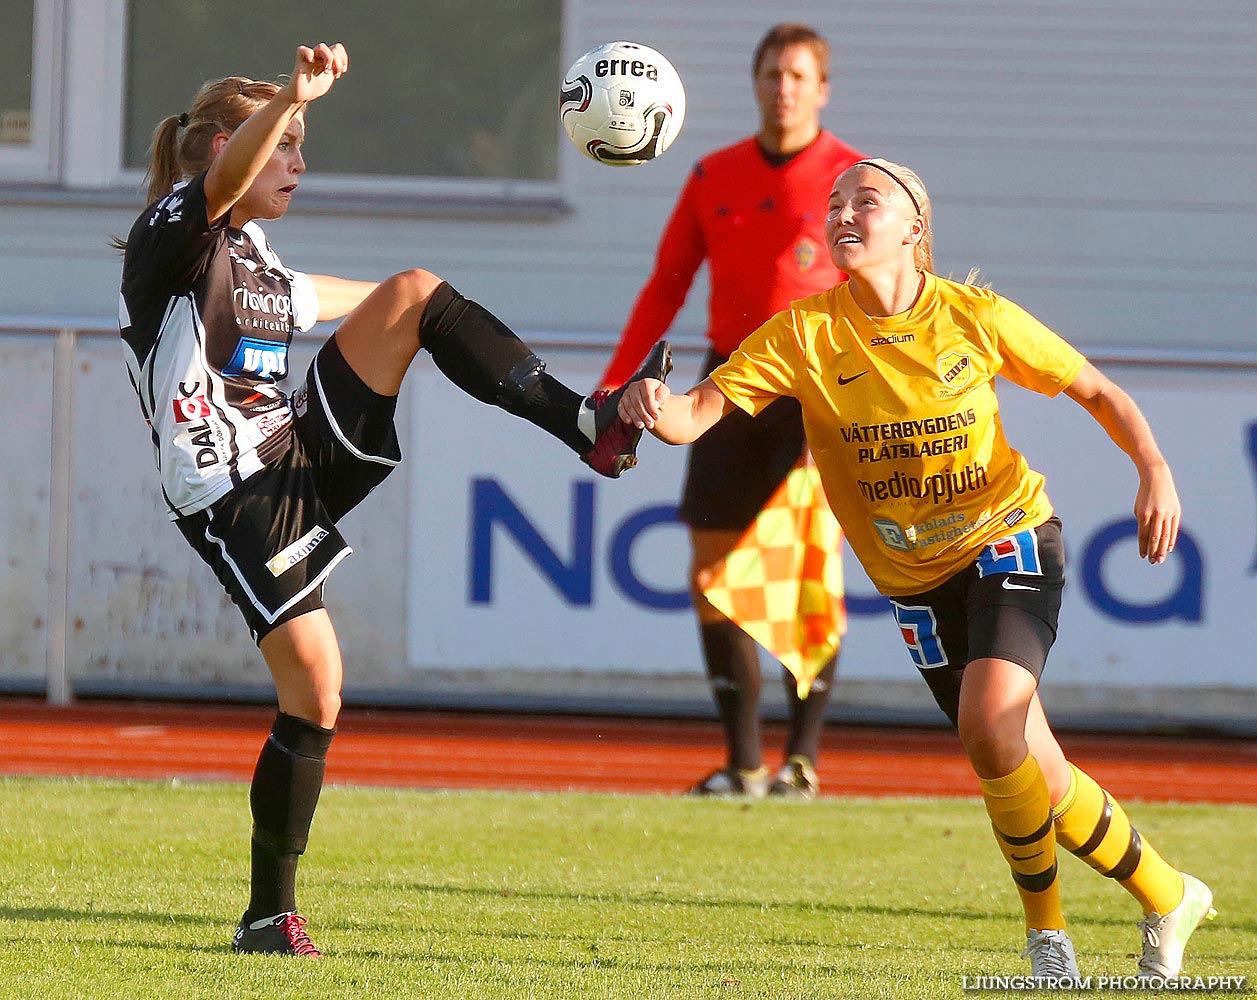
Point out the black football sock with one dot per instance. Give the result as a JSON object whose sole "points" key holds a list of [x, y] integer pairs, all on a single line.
{"points": [[733, 671], [807, 715], [284, 794], [483, 357]]}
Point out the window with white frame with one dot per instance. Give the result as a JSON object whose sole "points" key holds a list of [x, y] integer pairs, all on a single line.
{"points": [[451, 101], [436, 89], [26, 89]]}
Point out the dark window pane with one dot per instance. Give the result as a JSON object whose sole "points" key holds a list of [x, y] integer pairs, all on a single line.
{"points": [[17, 38], [438, 89]]}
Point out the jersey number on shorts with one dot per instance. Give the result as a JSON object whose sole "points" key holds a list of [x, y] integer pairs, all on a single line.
{"points": [[919, 629], [1017, 553]]}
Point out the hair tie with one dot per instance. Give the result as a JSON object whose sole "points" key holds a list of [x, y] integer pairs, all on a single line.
{"points": [[183, 120], [894, 177]]}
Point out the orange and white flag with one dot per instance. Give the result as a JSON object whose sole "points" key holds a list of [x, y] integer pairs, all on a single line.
{"points": [[782, 582]]}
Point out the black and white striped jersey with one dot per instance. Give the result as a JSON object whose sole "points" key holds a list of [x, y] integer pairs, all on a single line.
{"points": [[207, 314]]}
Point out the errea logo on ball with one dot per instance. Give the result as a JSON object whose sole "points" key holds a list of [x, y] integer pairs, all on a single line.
{"points": [[622, 104], [626, 67]]}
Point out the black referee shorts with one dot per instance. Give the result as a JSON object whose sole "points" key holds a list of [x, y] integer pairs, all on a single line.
{"points": [[737, 465], [1005, 605], [273, 541]]}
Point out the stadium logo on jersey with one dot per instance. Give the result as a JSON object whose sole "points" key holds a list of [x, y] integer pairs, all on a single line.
{"points": [[191, 408], [955, 369], [261, 358], [894, 338], [298, 550], [805, 252]]}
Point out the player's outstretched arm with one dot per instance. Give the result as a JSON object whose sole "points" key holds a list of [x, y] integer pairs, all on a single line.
{"points": [[674, 419], [340, 296], [241, 156], [1157, 507]]}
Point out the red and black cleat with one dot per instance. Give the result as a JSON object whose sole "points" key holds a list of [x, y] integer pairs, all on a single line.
{"points": [[283, 934], [615, 442]]}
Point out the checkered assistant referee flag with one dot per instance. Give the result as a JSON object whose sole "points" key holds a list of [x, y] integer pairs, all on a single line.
{"points": [[782, 582]]}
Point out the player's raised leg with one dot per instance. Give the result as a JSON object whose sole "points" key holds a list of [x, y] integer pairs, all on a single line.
{"points": [[483, 357]]}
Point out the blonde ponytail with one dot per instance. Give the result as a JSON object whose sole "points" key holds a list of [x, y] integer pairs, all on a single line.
{"points": [[163, 160], [183, 145]]}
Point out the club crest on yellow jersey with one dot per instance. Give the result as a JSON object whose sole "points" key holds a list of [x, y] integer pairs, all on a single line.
{"points": [[955, 369]]}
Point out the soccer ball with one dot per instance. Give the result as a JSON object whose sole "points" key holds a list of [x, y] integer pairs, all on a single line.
{"points": [[622, 104]]}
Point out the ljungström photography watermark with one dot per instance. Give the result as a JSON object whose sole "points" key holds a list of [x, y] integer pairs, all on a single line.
{"points": [[1111, 984]]}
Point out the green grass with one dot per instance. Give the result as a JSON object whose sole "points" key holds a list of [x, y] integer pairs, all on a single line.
{"points": [[131, 890]]}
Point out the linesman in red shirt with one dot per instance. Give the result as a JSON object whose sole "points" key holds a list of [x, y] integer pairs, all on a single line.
{"points": [[755, 212]]}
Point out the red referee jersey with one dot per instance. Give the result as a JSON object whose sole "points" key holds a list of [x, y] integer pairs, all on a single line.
{"points": [[761, 229]]}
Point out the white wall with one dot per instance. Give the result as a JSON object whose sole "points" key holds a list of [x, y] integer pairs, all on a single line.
{"points": [[25, 502]]}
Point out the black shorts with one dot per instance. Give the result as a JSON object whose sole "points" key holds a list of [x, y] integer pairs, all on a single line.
{"points": [[273, 541], [737, 465], [1005, 605]]}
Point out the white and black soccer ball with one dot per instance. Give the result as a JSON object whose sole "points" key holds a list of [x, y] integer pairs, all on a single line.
{"points": [[622, 104]]}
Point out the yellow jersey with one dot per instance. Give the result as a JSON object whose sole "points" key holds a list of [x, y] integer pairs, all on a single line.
{"points": [[902, 419]]}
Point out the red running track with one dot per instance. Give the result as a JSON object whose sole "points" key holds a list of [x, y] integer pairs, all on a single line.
{"points": [[425, 749]]}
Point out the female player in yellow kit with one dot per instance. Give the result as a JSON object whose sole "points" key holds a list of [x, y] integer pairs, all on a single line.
{"points": [[895, 374]]}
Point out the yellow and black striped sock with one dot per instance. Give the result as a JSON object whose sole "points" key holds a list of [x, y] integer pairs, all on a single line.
{"points": [[1092, 824], [1021, 814]]}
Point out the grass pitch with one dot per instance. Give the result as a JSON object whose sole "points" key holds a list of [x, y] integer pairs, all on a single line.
{"points": [[118, 890]]}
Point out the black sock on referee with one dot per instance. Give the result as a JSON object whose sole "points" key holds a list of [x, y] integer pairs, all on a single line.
{"points": [[283, 796], [733, 672], [483, 357], [807, 715]]}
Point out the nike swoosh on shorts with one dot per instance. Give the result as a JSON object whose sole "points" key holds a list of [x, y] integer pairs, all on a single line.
{"points": [[1008, 584]]}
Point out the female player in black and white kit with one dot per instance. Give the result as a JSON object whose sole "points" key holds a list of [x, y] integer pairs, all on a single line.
{"points": [[257, 479]]}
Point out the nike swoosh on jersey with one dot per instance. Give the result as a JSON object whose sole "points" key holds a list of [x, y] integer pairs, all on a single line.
{"points": [[845, 381], [1008, 584]]}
